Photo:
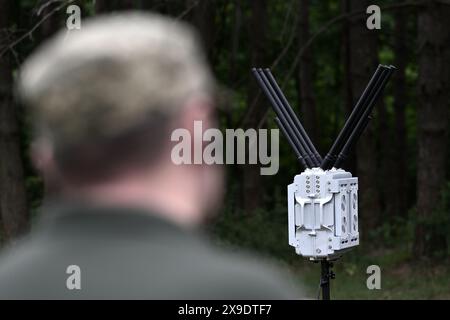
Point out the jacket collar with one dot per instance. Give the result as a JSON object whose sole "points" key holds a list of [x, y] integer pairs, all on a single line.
{"points": [[83, 218]]}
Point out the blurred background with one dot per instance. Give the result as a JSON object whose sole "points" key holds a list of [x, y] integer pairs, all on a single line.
{"points": [[323, 55]]}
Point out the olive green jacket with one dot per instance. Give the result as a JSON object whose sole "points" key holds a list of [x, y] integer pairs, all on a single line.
{"points": [[88, 252]]}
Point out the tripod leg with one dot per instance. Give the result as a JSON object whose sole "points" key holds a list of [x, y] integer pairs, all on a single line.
{"points": [[326, 276]]}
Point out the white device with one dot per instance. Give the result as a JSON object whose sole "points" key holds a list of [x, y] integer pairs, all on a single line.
{"points": [[323, 213], [323, 200]]}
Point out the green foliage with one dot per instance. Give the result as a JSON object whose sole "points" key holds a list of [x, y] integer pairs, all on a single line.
{"points": [[395, 230], [264, 230]]}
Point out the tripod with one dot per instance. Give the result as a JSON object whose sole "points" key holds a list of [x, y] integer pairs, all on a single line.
{"points": [[326, 275]]}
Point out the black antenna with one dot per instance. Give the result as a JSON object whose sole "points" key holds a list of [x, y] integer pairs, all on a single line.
{"points": [[364, 120], [331, 156], [296, 135], [286, 127], [291, 142], [310, 146], [287, 116], [350, 143]]}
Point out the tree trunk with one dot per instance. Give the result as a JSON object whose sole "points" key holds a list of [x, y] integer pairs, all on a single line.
{"points": [[51, 25], [235, 36], [105, 6], [252, 186], [350, 163], [13, 200], [432, 116], [364, 59], [202, 17], [386, 158], [127, 5], [146, 5], [400, 205], [233, 74], [305, 75]]}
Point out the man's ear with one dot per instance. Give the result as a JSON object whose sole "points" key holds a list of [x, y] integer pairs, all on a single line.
{"points": [[197, 113], [42, 156], [198, 109]]}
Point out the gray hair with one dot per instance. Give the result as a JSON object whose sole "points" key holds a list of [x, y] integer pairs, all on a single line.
{"points": [[117, 71]]}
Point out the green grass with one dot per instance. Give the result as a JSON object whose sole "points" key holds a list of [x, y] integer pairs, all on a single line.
{"points": [[399, 280]]}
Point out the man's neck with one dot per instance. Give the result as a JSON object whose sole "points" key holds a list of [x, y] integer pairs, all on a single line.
{"points": [[169, 197]]}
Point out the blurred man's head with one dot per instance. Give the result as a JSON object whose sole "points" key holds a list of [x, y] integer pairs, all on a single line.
{"points": [[105, 101]]}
